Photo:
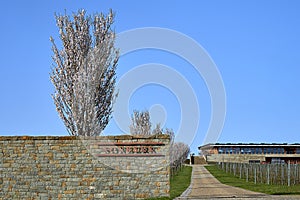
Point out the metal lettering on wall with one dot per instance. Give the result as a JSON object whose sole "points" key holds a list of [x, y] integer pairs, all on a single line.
{"points": [[130, 149]]}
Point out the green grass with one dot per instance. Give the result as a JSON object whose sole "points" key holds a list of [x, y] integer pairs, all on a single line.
{"points": [[178, 183], [229, 179]]}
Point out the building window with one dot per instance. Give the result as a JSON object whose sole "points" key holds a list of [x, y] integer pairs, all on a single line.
{"points": [[258, 150], [290, 151], [269, 150], [247, 151], [227, 150], [237, 150], [279, 151]]}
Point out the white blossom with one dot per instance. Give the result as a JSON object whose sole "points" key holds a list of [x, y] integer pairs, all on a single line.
{"points": [[83, 72]]}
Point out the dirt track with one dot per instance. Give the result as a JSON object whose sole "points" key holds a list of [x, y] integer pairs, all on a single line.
{"points": [[205, 186]]}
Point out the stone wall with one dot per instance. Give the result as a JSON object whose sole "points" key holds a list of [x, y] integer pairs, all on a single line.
{"points": [[106, 167], [199, 160], [235, 158]]}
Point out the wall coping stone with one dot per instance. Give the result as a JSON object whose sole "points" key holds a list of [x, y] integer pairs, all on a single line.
{"points": [[116, 137]]}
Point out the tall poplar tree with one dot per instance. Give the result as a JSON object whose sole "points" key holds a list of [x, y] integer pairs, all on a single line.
{"points": [[84, 72]]}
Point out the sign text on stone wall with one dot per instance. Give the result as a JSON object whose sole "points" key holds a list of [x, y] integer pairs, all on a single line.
{"points": [[129, 149]]}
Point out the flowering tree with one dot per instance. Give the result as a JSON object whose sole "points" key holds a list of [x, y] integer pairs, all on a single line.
{"points": [[157, 129], [171, 133], [83, 72], [178, 154], [140, 123], [178, 151]]}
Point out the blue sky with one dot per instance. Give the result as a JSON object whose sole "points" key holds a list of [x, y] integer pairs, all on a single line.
{"points": [[254, 44]]}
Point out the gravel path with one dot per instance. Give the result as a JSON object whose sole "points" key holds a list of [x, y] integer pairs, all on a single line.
{"points": [[205, 186]]}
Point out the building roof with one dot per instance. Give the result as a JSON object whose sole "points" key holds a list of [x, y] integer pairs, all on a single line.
{"points": [[211, 145]]}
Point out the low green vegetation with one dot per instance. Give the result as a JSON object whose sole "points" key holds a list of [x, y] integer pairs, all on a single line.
{"points": [[179, 183], [229, 179]]}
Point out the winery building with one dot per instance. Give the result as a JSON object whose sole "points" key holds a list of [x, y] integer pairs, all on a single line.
{"points": [[251, 152]]}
